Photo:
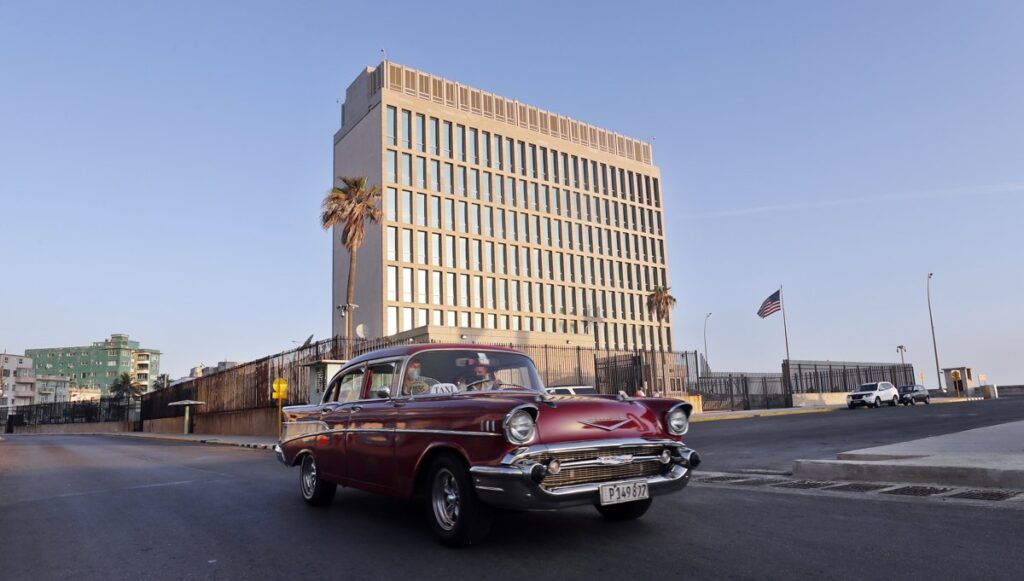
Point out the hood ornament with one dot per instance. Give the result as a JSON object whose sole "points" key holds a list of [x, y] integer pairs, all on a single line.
{"points": [[607, 425]]}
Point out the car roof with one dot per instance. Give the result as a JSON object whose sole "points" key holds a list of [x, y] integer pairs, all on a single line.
{"points": [[413, 348]]}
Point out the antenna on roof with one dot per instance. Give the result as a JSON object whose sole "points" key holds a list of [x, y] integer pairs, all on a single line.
{"points": [[384, 52]]}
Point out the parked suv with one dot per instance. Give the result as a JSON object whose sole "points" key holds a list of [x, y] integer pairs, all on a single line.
{"points": [[911, 394], [873, 394]]}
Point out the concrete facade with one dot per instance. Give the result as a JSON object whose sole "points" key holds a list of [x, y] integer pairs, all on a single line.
{"points": [[99, 364], [17, 380], [497, 216]]}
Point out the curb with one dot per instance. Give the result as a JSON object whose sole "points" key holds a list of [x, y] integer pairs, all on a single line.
{"points": [[211, 441], [868, 471]]}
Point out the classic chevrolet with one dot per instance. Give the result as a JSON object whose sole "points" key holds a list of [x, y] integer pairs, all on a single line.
{"points": [[469, 428]]}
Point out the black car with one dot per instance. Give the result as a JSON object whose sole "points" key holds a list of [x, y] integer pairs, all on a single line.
{"points": [[911, 394]]}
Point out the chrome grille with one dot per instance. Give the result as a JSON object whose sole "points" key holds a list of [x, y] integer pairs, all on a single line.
{"points": [[570, 476], [590, 474]]}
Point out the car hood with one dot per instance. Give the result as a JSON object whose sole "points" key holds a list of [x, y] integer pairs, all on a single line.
{"points": [[571, 418], [865, 392], [574, 418]]}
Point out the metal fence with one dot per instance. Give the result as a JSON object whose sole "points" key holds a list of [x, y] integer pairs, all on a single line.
{"points": [[742, 391], [248, 386], [842, 376], [107, 409]]}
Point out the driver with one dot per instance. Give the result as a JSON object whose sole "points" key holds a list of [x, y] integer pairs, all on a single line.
{"points": [[481, 379]]}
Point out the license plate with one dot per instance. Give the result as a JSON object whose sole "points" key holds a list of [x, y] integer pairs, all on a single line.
{"points": [[623, 492]]}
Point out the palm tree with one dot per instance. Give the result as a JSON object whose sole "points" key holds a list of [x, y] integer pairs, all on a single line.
{"points": [[351, 206], [123, 388], [660, 304]]}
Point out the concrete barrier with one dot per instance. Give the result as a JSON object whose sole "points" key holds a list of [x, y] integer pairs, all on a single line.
{"points": [[84, 428], [814, 399], [258, 422]]}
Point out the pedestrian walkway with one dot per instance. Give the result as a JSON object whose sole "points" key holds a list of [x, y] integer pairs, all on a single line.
{"points": [[258, 442], [988, 457]]}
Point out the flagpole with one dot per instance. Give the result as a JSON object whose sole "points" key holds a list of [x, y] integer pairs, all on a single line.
{"points": [[785, 327]]}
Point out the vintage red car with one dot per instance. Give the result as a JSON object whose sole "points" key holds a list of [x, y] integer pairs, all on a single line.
{"points": [[469, 428]]}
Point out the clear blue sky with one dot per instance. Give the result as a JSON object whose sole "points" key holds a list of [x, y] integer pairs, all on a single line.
{"points": [[161, 163]]}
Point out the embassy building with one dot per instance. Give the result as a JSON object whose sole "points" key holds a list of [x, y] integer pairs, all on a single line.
{"points": [[501, 221]]}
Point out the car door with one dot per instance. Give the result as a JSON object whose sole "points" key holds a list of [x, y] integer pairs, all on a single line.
{"points": [[370, 435], [343, 392]]}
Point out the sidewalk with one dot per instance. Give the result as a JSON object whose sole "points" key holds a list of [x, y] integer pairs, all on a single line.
{"points": [[987, 457], [258, 442]]}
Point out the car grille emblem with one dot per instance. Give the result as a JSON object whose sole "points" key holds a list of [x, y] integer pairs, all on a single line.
{"points": [[615, 460], [607, 425]]}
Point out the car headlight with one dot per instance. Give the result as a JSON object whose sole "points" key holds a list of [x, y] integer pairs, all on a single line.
{"points": [[676, 421], [520, 426]]}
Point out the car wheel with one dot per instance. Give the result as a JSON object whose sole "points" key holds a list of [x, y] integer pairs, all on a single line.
{"points": [[625, 511], [927, 400], [895, 400], [456, 514], [315, 491], [850, 406], [878, 402]]}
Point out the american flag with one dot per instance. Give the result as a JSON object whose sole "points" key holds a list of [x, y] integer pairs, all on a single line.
{"points": [[772, 304]]}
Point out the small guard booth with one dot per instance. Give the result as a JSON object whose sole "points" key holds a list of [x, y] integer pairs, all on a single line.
{"points": [[188, 403]]}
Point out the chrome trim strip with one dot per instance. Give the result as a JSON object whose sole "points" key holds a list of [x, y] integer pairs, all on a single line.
{"points": [[595, 445], [596, 463], [389, 430]]}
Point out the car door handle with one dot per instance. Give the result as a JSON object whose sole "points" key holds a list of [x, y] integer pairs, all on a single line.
{"points": [[355, 408]]}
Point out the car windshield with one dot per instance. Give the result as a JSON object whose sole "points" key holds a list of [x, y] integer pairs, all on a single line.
{"points": [[908, 389], [868, 387], [451, 371]]}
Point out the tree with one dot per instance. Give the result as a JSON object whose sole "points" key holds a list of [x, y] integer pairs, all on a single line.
{"points": [[161, 382], [660, 304], [123, 388], [351, 206]]}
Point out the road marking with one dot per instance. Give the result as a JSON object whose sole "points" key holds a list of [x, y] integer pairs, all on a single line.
{"points": [[126, 488]]}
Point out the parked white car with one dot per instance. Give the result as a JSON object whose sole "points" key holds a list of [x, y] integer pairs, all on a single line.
{"points": [[874, 395]]}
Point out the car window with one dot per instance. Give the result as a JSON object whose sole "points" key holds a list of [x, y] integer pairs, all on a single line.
{"points": [[346, 387], [381, 375], [868, 387], [452, 371]]}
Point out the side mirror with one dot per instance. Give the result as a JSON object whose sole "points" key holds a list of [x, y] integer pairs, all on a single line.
{"points": [[384, 392]]}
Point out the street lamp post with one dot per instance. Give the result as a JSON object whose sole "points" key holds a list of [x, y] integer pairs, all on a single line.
{"points": [[935, 346], [901, 349], [706, 361]]}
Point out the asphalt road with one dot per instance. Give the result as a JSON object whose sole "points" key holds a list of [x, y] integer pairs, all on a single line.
{"points": [[772, 443], [99, 507]]}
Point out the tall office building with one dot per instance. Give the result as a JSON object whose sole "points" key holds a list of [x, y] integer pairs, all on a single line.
{"points": [[498, 216]]}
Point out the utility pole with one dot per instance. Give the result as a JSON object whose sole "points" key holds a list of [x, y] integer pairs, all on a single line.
{"points": [[707, 361], [901, 349], [935, 346]]}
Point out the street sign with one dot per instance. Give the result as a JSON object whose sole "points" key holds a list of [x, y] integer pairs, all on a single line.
{"points": [[280, 389]]}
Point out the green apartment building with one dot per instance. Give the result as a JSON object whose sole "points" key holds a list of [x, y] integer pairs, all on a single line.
{"points": [[99, 364]]}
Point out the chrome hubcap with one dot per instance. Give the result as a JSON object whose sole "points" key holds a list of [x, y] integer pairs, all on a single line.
{"points": [[308, 476], [446, 499]]}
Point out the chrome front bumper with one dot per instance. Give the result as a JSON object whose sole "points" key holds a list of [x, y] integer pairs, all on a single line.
{"points": [[279, 453], [513, 484]]}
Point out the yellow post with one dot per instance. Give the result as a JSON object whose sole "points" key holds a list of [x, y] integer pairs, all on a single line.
{"points": [[279, 392]]}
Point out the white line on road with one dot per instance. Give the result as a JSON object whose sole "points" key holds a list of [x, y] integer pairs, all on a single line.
{"points": [[139, 487]]}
